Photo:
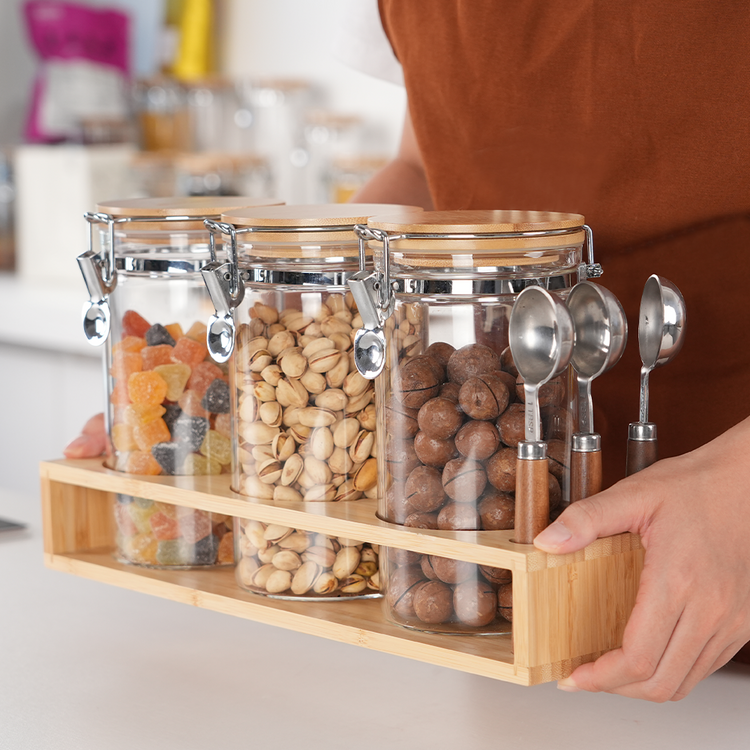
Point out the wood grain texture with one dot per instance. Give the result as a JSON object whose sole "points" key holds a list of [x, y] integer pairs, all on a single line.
{"points": [[532, 499], [641, 454], [567, 608], [585, 474]]}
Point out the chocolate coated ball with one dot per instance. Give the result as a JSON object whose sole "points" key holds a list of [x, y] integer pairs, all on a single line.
{"points": [[434, 452], [418, 381], [475, 603], [497, 510], [512, 425], [505, 601], [424, 489], [422, 521], [471, 360], [477, 440], [501, 469], [496, 576], [484, 396], [459, 517], [464, 480], [440, 418], [400, 420], [433, 602], [452, 571], [440, 351]]}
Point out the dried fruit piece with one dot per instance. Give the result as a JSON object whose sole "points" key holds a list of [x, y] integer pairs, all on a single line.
{"points": [[164, 527], [158, 334], [134, 324], [122, 438], [124, 364], [194, 524], [225, 554], [171, 456], [149, 434], [176, 377], [136, 414], [189, 351], [190, 431], [218, 447], [190, 403], [173, 552], [203, 374], [197, 331], [153, 356], [175, 330], [223, 425], [198, 465], [129, 344], [216, 399]]}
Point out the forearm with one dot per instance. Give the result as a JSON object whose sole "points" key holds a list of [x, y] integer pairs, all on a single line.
{"points": [[399, 181]]}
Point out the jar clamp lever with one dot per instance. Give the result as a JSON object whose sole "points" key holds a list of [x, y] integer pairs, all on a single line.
{"points": [[99, 274], [222, 280], [375, 302]]}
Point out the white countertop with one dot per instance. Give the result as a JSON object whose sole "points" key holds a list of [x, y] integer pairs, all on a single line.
{"points": [[87, 666], [43, 315]]}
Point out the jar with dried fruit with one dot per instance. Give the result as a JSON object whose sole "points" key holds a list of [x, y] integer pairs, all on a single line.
{"points": [[167, 406], [305, 418], [449, 399]]}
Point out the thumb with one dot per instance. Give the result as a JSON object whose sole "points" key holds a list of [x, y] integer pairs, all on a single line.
{"points": [[613, 511]]}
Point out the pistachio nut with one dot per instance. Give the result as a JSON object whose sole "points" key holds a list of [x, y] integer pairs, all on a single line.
{"points": [[258, 361], [286, 559], [354, 584], [264, 391], [368, 418], [345, 315], [325, 584], [291, 416], [341, 341], [346, 542], [323, 556], [366, 569], [292, 469], [279, 342], [248, 408], [300, 433], [362, 446], [318, 470], [334, 399], [297, 541], [372, 493], [357, 322], [258, 433], [262, 453], [324, 360], [317, 345], [286, 494], [373, 582], [335, 325], [321, 443], [254, 328], [273, 329], [291, 393], [266, 313], [355, 384], [271, 374], [276, 532], [367, 475], [323, 312], [336, 375], [314, 382], [357, 403], [369, 555], [266, 555], [254, 535], [270, 413], [305, 577], [292, 362], [246, 570], [283, 446], [346, 562], [336, 303], [324, 493], [278, 582], [298, 323], [314, 416], [256, 489], [269, 472], [262, 575], [305, 481], [347, 491], [340, 462], [345, 432]]}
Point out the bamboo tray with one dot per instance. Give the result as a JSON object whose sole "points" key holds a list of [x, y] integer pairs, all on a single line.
{"points": [[567, 609]]}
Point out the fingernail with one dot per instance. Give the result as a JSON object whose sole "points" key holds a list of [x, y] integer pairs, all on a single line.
{"points": [[554, 535], [568, 685]]}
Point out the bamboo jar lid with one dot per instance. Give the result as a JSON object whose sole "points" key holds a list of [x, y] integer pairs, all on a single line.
{"points": [[273, 234], [438, 239]]}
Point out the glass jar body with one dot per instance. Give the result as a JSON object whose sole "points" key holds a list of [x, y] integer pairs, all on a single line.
{"points": [[305, 428], [168, 403], [451, 409]]}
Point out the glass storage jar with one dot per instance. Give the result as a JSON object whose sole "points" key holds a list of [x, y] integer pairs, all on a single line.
{"points": [[449, 400], [168, 403], [305, 418]]}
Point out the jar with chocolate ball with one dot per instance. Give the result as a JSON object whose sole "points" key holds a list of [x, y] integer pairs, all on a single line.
{"points": [[167, 410], [450, 411], [305, 421]]}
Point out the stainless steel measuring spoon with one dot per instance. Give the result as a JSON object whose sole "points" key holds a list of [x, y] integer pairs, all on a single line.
{"points": [[661, 333], [541, 342], [600, 335]]}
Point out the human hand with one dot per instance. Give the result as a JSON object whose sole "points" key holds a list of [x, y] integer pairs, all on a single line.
{"points": [[692, 611], [91, 442]]}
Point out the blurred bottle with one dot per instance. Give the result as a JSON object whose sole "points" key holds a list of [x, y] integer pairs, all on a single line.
{"points": [[162, 115], [7, 206], [347, 174]]}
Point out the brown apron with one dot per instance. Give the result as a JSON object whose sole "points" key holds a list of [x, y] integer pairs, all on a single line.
{"points": [[636, 116]]}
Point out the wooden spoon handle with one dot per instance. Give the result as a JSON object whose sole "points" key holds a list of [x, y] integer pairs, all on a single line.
{"points": [[585, 474], [532, 499], [641, 454]]}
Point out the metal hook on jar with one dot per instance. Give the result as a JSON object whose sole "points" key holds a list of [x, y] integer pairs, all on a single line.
{"points": [[590, 270], [99, 276]]}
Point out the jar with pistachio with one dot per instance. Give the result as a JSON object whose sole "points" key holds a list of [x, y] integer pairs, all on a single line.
{"points": [[450, 406], [305, 424]]}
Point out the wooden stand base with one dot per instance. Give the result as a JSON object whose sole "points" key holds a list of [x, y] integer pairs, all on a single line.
{"points": [[567, 609]]}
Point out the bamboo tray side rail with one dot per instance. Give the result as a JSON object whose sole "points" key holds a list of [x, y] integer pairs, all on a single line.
{"points": [[568, 609]]}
